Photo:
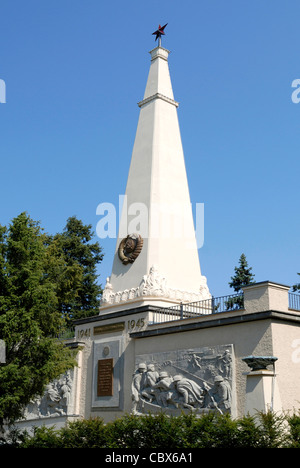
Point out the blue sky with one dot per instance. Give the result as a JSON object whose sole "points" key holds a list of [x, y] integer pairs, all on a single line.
{"points": [[74, 71]]}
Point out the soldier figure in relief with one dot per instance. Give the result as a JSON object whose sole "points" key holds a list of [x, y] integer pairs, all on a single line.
{"points": [[138, 383]]}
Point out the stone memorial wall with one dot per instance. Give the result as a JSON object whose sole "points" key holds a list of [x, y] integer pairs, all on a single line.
{"points": [[198, 379]]}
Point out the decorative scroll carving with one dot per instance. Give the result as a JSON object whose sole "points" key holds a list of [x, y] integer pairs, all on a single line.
{"points": [[154, 284], [199, 380], [130, 248]]}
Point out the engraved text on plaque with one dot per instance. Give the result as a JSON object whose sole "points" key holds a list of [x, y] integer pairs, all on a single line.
{"points": [[105, 377]]}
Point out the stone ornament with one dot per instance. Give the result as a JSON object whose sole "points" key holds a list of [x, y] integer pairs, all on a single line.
{"points": [[259, 362], [199, 380], [154, 284], [130, 248]]}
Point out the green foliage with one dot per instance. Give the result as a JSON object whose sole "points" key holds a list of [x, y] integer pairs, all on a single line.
{"points": [[265, 430], [294, 430], [147, 431], [242, 277], [296, 287], [43, 281], [73, 263], [29, 317], [86, 433], [43, 437]]}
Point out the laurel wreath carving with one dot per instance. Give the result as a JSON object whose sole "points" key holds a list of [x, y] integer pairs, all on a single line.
{"points": [[126, 257]]}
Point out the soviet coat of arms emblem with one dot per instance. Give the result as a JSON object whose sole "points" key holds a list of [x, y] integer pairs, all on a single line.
{"points": [[130, 247]]}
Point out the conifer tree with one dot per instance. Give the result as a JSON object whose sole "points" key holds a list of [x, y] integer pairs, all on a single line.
{"points": [[44, 281], [29, 319], [78, 291], [296, 287], [242, 277]]}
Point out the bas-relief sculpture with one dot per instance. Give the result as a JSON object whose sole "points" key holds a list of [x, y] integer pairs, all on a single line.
{"points": [[200, 380], [153, 284], [56, 400], [130, 248]]}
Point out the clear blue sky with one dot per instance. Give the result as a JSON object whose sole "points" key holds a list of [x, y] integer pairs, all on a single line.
{"points": [[74, 72]]}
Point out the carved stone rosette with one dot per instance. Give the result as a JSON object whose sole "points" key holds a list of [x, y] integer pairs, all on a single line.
{"points": [[130, 248]]}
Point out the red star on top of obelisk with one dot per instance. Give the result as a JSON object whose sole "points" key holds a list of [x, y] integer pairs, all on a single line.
{"points": [[159, 32]]}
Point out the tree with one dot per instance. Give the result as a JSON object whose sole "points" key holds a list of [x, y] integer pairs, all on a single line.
{"points": [[29, 318], [242, 277], [296, 287], [44, 281], [77, 289]]}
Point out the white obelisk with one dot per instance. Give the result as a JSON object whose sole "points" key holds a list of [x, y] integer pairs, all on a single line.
{"points": [[163, 268]]}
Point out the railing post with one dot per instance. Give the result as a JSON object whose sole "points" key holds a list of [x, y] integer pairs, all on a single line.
{"points": [[181, 311], [212, 304]]}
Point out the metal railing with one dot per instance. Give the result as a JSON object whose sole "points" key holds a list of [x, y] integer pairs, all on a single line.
{"points": [[196, 309], [294, 301], [66, 334]]}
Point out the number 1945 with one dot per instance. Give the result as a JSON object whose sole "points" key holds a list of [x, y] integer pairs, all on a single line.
{"points": [[132, 324]]}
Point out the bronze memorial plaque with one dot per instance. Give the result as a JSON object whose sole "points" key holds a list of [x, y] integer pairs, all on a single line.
{"points": [[113, 327], [105, 377]]}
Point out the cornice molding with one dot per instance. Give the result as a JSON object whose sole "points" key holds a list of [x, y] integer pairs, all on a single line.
{"points": [[158, 96]]}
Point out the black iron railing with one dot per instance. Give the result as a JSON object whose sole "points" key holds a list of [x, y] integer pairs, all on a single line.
{"points": [[66, 334], [195, 309], [294, 301]]}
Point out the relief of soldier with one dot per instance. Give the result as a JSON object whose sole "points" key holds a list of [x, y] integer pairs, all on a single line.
{"points": [[54, 402], [152, 388]]}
